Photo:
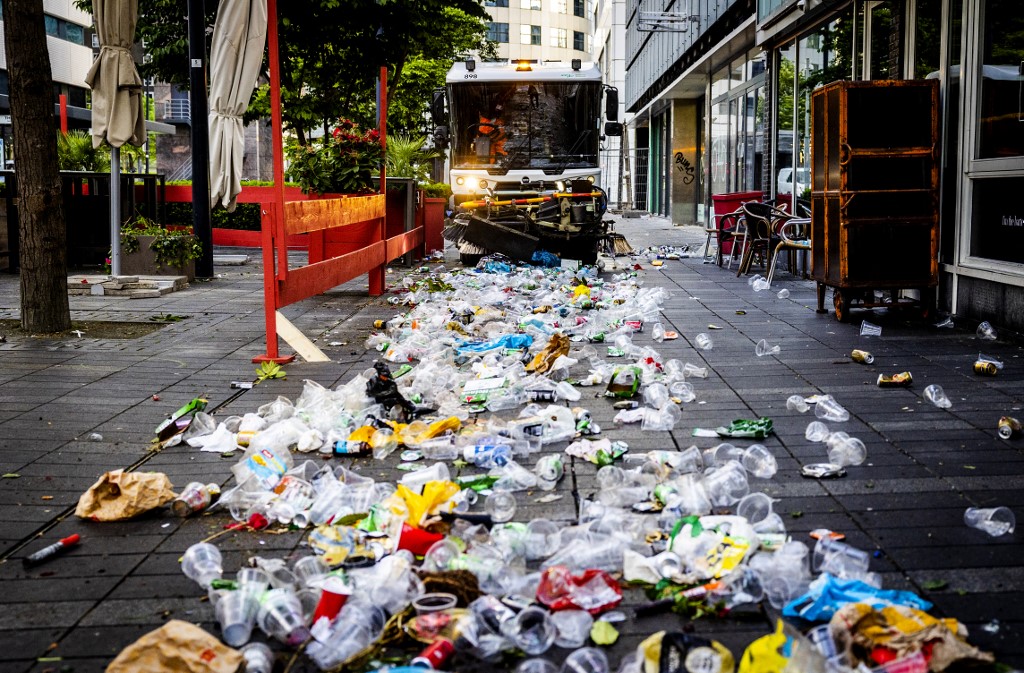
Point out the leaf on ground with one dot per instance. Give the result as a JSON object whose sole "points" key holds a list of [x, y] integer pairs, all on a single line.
{"points": [[603, 633], [934, 585], [970, 467], [11, 475], [796, 514]]}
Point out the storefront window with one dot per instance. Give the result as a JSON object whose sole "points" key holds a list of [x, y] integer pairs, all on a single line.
{"points": [[784, 116], [736, 127], [1001, 109], [720, 150], [926, 37]]}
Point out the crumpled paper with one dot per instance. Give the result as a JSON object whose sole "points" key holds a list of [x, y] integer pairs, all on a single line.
{"points": [[120, 495], [177, 647]]}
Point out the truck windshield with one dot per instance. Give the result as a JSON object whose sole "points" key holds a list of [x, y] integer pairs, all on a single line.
{"points": [[517, 125]]}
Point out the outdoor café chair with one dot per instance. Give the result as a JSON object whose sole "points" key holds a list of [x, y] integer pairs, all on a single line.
{"points": [[796, 237]]}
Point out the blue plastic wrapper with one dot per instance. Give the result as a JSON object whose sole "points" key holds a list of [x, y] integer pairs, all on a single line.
{"points": [[506, 341], [827, 594]]}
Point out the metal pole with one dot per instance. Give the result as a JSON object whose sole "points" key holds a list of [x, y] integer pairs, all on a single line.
{"points": [[115, 211], [200, 136]]}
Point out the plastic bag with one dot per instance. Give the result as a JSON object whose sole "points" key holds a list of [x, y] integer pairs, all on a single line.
{"points": [[120, 495], [592, 590]]}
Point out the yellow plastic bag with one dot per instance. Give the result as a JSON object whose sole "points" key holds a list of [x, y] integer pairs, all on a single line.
{"points": [[542, 361], [764, 655], [435, 493]]}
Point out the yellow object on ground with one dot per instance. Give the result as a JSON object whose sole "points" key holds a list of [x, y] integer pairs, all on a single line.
{"points": [[435, 494]]}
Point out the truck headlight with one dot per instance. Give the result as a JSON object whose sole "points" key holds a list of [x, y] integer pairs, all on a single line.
{"points": [[460, 181], [483, 184], [591, 179]]}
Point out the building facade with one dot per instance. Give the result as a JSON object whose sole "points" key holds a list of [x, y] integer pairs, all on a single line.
{"points": [[543, 30], [723, 87], [69, 38]]}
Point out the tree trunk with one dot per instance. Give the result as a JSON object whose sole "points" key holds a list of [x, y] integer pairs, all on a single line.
{"points": [[43, 253]]}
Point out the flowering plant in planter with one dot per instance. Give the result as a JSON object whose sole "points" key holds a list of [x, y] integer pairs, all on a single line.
{"points": [[343, 162]]}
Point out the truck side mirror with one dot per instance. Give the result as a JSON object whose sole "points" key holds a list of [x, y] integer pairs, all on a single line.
{"points": [[613, 128], [437, 108], [611, 104]]}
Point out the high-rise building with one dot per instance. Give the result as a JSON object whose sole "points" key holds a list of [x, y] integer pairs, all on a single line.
{"points": [[69, 38], [544, 30]]}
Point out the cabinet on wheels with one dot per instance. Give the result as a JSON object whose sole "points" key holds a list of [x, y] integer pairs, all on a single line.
{"points": [[875, 192]]}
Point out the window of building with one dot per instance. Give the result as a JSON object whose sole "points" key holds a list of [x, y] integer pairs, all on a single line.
{"points": [[63, 30], [75, 33], [529, 4], [579, 7], [497, 32], [52, 25], [496, 3], [579, 41], [529, 34], [559, 38]]}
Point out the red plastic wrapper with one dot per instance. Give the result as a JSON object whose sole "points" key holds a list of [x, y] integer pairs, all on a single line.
{"points": [[592, 590]]}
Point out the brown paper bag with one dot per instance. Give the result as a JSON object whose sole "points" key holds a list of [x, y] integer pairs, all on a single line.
{"points": [[177, 647], [120, 495]]}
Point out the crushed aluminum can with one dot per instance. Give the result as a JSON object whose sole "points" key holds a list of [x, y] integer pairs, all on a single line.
{"points": [[901, 380], [823, 471], [985, 368], [1009, 427], [862, 357]]}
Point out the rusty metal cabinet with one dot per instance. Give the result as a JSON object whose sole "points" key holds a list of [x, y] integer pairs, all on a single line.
{"points": [[875, 192]]}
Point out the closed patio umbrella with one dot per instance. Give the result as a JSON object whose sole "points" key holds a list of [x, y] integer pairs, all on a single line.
{"points": [[239, 37], [116, 99]]}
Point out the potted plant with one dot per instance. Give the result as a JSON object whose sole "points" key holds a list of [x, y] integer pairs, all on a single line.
{"points": [[343, 162], [151, 249]]}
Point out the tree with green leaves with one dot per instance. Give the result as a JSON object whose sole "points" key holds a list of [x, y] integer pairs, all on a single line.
{"points": [[331, 52]]}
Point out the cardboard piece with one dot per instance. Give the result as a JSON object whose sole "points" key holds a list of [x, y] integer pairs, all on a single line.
{"points": [[177, 647], [120, 495]]}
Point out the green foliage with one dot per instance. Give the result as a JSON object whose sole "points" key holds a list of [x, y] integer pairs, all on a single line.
{"points": [[437, 190], [406, 158], [246, 216], [76, 153], [171, 247], [269, 370], [342, 162]]}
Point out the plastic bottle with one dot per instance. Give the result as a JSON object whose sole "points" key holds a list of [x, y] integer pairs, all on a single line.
{"points": [[488, 453]]}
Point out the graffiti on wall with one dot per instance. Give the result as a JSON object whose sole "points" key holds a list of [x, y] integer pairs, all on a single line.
{"points": [[688, 170]]}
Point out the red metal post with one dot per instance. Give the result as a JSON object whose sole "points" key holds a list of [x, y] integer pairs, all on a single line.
{"points": [[274, 238], [64, 114]]}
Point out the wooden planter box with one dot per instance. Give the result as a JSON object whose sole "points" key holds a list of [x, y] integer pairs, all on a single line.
{"points": [[142, 262]]}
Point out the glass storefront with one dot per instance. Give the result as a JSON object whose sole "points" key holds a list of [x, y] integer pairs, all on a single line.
{"points": [[736, 126]]}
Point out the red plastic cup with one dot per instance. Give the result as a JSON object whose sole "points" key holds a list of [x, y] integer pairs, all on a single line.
{"points": [[332, 599], [417, 540]]}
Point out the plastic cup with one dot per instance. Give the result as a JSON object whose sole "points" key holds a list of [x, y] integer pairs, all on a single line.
{"points": [[415, 481], [870, 329], [333, 597], [821, 638], [987, 332], [779, 590], [310, 570], [542, 539], [783, 293], [995, 521], [689, 460], [839, 559], [703, 341], [531, 630], [759, 461], [764, 348], [441, 555], [572, 627], [586, 660], [846, 451], [536, 665], [817, 432], [437, 601], [726, 484], [797, 403], [754, 507], [828, 409], [280, 616], [202, 563], [682, 390], [937, 396], [258, 658], [501, 505], [236, 614], [252, 581]]}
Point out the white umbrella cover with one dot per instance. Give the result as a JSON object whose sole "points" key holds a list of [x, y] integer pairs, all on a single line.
{"points": [[239, 37], [116, 86]]}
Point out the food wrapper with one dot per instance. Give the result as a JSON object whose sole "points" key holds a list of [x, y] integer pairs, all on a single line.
{"points": [[177, 647], [120, 495]]}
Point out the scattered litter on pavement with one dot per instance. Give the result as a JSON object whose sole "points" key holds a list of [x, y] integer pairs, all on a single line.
{"points": [[120, 495]]}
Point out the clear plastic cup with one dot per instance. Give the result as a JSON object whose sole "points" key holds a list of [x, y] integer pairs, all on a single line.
{"points": [[259, 658], [536, 665], [726, 484], [311, 570], [846, 451], [754, 507], [542, 539], [779, 590], [280, 616], [656, 395], [586, 660], [817, 432], [689, 460], [839, 559], [202, 563], [724, 453], [437, 601], [828, 409], [937, 396], [870, 329], [783, 293], [763, 348], [987, 332], [236, 614], [531, 630], [821, 638], [683, 390], [441, 555], [572, 627], [415, 481], [501, 505], [703, 341], [692, 371], [797, 403], [759, 461], [995, 521], [252, 581]]}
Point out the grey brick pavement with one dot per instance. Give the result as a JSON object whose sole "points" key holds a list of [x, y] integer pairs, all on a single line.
{"points": [[925, 465]]}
